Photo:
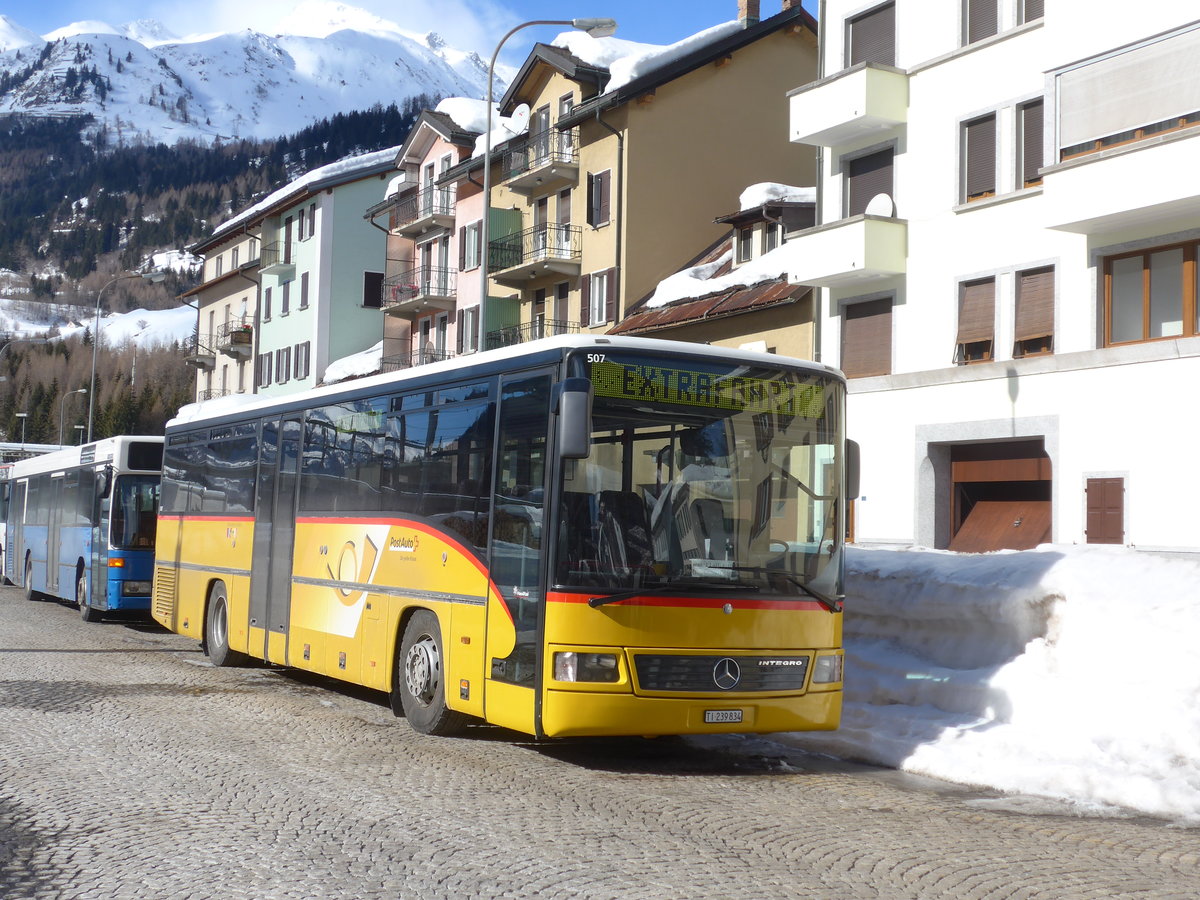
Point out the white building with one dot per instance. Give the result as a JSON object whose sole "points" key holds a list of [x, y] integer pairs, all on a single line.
{"points": [[1006, 249]]}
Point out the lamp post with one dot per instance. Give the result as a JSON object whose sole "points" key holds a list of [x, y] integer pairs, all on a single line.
{"points": [[22, 417], [149, 276], [61, 406], [594, 27], [79, 437]]}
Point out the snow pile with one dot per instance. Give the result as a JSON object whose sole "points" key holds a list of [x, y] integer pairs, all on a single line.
{"points": [[354, 366], [468, 114], [1064, 672], [698, 281], [766, 191]]}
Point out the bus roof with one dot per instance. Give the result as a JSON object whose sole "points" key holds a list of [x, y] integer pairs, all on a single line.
{"points": [[539, 352], [101, 451]]}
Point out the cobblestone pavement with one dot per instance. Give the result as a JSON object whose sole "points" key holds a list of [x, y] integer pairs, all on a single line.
{"points": [[130, 768]]}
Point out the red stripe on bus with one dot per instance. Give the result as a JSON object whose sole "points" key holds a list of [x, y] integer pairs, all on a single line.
{"points": [[190, 518], [741, 602]]}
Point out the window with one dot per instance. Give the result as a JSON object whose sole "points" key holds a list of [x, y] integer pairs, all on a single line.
{"points": [[598, 303], [283, 364], [1034, 333], [979, 158], [1029, 142], [241, 376], [220, 266], [867, 338], [302, 355], [266, 304], [770, 236], [304, 290], [285, 303], [980, 20], [468, 246], [233, 262], [976, 321], [745, 243], [372, 289], [301, 221], [867, 176], [1151, 295], [871, 37], [312, 219], [263, 375], [468, 330], [1031, 10], [599, 195]]}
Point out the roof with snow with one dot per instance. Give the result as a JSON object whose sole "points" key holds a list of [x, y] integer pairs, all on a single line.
{"points": [[560, 60]]}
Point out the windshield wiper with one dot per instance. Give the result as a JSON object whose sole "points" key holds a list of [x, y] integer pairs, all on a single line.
{"points": [[595, 602], [833, 604]]}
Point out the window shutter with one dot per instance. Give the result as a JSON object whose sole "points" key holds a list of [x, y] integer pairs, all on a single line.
{"points": [[976, 311], [867, 339], [872, 36], [1032, 9], [266, 303], [1035, 304], [605, 179], [979, 141], [591, 199], [982, 20], [585, 301], [304, 290], [462, 248], [610, 301], [372, 289], [868, 176], [1031, 143]]}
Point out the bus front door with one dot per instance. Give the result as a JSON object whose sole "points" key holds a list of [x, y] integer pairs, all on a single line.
{"points": [[274, 533]]}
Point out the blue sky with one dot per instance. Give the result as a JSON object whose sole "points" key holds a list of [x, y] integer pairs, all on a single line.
{"points": [[469, 24]]}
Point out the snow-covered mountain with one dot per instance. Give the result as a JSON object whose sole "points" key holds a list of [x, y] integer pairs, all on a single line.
{"points": [[144, 84]]}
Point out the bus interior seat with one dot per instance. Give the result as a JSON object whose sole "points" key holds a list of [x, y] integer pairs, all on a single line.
{"points": [[709, 516], [624, 530]]}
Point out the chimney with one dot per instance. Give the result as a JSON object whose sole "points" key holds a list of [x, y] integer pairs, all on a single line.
{"points": [[747, 13], [790, 5]]}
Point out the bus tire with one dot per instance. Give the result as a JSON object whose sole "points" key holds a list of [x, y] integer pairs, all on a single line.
{"points": [[30, 593], [88, 613], [420, 678], [216, 629]]}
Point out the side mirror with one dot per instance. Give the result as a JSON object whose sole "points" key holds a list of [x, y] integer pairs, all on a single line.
{"points": [[103, 483], [853, 469], [573, 404]]}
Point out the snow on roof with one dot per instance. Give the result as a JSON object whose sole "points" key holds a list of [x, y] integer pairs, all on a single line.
{"points": [[697, 281], [355, 365], [346, 166], [468, 114], [1030, 672], [766, 191], [627, 60]]}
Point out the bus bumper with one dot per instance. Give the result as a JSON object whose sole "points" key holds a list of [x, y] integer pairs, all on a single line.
{"points": [[578, 713]]}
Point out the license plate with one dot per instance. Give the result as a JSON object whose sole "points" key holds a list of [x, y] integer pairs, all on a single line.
{"points": [[722, 715]]}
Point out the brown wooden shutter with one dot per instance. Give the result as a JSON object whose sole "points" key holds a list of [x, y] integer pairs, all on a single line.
{"points": [[1031, 10], [462, 248], [867, 338], [1106, 510], [868, 176], [872, 36], [1035, 304], [1031, 143], [303, 290], [982, 20], [979, 144], [976, 311], [585, 300], [610, 301], [603, 188]]}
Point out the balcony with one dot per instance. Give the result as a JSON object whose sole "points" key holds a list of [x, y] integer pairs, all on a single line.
{"points": [[542, 250], [530, 331], [544, 161], [276, 259], [236, 338], [865, 101], [212, 394], [419, 290], [1152, 185], [419, 357], [850, 252], [417, 213], [199, 352]]}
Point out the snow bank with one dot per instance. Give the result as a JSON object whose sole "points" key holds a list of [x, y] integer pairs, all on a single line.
{"points": [[354, 366], [1064, 672]]}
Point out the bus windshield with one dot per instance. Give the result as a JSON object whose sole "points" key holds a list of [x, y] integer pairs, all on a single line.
{"points": [[134, 511], [702, 473]]}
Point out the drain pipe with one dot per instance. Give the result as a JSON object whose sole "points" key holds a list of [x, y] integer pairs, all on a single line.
{"points": [[620, 213], [818, 292]]}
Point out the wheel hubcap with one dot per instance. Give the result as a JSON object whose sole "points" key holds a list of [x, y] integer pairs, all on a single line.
{"points": [[422, 669]]}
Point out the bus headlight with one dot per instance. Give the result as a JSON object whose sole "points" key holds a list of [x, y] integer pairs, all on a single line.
{"points": [[827, 669], [135, 588], [585, 667]]}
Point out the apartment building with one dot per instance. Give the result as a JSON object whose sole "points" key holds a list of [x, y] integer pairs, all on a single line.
{"points": [[617, 185], [1005, 258], [226, 300]]}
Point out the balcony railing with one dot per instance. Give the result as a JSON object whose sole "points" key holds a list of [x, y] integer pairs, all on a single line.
{"points": [[433, 206], [409, 358], [198, 351], [212, 394], [543, 249], [236, 337], [276, 258], [420, 288], [543, 160], [511, 335]]}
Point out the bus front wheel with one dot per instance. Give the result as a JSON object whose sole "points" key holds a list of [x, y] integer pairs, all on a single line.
{"points": [[421, 678], [216, 629], [30, 593], [89, 613]]}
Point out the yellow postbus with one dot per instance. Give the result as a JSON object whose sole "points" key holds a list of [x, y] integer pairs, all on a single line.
{"points": [[576, 536]]}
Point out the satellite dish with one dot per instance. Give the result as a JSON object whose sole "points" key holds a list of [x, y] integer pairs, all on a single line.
{"points": [[881, 205], [518, 122]]}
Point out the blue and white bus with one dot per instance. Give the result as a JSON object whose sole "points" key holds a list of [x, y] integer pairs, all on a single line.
{"points": [[81, 524]]}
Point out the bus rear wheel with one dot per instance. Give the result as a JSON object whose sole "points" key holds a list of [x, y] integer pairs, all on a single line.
{"points": [[88, 613], [421, 679], [216, 629], [30, 593]]}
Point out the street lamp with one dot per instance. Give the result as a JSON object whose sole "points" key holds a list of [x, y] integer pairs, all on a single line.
{"points": [[149, 276], [61, 407], [22, 417], [79, 437], [594, 27]]}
